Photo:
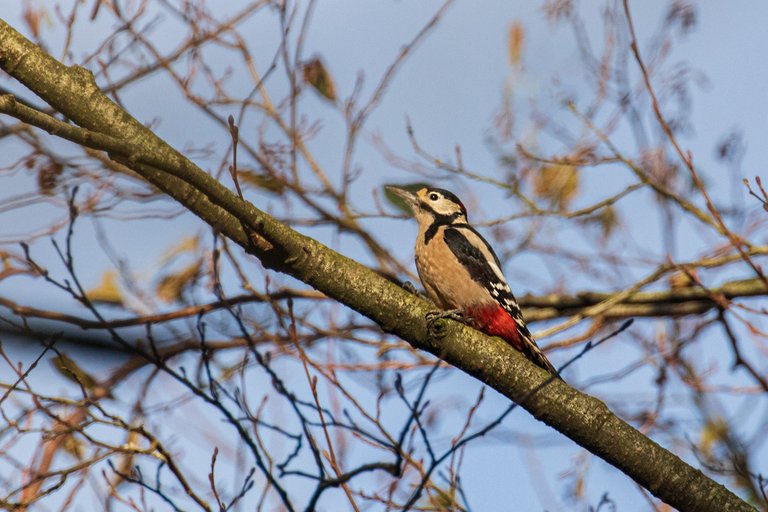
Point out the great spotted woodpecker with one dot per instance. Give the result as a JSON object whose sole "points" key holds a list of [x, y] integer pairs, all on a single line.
{"points": [[462, 274]]}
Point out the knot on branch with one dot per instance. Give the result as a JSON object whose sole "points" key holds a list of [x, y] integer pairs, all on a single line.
{"points": [[437, 328], [437, 323], [261, 243]]}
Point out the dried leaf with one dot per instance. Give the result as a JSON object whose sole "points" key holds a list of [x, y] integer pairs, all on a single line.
{"points": [[34, 17], [107, 291], [713, 432], [607, 219], [396, 200], [48, 177], [559, 183], [683, 279], [72, 371], [578, 488], [444, 500], [515, 43], [229, 372], [262, 181], [172, 286], [73, 446], [316, 75], [186, 245]]}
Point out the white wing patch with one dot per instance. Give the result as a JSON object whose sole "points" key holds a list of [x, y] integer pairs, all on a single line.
{"points": [[489, 256]]}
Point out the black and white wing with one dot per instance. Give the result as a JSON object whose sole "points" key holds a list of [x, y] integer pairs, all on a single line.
{"points": [[477, 256]]}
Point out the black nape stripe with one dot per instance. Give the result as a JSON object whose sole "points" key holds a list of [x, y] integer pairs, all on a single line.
{"points": [[440, 220]]}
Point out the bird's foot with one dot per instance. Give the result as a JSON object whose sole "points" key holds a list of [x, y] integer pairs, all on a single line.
{"points": [[437, 328], [453, 314], [408, 286]]}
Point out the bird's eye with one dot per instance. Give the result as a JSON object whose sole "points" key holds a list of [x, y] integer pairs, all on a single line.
{"points": [[433, 197]]}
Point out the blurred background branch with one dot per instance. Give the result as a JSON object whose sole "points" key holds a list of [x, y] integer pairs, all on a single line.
{"points": [[574, 133]]}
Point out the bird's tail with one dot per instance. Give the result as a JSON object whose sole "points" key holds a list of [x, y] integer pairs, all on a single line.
{"points": [[510, 326], [534, 353]]}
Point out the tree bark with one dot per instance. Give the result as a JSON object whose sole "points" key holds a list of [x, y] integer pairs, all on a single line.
{"points": [[584, 419]]}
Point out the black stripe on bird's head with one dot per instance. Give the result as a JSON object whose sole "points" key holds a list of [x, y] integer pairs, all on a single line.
{"points": [[443, 204]]}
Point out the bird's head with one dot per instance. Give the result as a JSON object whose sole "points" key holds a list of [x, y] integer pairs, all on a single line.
{"points": [[430, 205]]}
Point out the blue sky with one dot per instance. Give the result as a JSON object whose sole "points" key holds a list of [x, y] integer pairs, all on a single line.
{"points": [[450, 89]]}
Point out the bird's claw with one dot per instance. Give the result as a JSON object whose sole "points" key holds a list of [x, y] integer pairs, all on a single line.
{"points": [[408, 286], [438, 329], [453, 314]]}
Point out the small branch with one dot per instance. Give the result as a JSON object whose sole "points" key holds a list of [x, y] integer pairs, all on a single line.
{"points": [[738, 357], [738, 243], [668, 303], [764, 199]]}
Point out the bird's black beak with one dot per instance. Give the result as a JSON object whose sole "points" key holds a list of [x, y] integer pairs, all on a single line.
{"points": [[410, 199]]}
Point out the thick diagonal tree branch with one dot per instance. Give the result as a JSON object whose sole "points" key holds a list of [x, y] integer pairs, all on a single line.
{"points": [[586, 420]]}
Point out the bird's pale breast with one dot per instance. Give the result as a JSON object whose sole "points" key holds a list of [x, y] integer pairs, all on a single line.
{"points": [[445, 279]]}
